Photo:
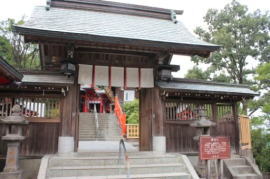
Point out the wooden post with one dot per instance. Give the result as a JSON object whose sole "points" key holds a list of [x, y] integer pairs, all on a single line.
{"points": [[220, 168], [151, 117], [158, 111], [237, 132], [145, 107], [208, 173]]}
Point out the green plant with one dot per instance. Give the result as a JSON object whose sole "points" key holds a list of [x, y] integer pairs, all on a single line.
{"points": [[132, 111]]}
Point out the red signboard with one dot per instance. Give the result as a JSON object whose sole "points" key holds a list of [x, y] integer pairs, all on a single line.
{"points": [[212, 148]]}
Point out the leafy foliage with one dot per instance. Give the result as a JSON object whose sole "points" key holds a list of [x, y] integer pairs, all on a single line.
{"points": [[261, 143], [132, 111], [241, 35], [197, 73], [14, 50], [263, 78]]}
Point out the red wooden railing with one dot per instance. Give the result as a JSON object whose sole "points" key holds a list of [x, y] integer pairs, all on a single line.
{"points": [[120, 115]]}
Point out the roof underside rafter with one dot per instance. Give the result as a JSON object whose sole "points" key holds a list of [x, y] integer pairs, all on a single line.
{"points": [[9, 71]]}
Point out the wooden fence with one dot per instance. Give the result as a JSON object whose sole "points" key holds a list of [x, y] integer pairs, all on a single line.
{"points": [[245, 136], [180, 114], [32, 107], [132, 131], [44, 115]]}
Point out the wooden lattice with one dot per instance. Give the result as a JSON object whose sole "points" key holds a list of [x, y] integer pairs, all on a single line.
{"points": [[132, 131]]}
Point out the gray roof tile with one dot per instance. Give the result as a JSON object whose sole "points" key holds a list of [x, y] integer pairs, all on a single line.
{"points": [[111, 25], [206, 87]]}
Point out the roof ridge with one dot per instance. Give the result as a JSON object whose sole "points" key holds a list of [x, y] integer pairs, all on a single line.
{"points": [[208, 82], [125, 5], [116, 7]]}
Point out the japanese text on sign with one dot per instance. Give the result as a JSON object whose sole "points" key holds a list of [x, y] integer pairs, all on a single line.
{"points": [[214, 148]]}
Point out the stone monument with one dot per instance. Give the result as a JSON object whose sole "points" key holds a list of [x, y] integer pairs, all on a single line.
{"points": [[13, 125]]}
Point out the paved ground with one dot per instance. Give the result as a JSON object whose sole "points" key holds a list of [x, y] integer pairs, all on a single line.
{"points": [[103, 146]]}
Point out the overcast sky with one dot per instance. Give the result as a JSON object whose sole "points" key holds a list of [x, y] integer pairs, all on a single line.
{"points": [[194, 10]]}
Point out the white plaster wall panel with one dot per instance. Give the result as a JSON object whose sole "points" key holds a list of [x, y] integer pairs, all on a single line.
{"points": [[132, 77], [117, 76], [147, 78], [102, 75], [85, 74]]}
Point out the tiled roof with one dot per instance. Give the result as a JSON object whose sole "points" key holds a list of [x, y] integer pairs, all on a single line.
{"points": [[89, 25], [56, 79], [198, 86], [9, 71]]}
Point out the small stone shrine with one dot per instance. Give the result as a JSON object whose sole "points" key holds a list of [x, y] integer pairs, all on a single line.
{"points": [[13, 125]]}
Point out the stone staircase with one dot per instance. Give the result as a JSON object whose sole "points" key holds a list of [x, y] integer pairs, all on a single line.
{"points": [[108, 127], [241, 168], [106, 165]]}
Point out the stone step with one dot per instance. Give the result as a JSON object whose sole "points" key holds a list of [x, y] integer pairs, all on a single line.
{"points": [[98, 139], [236, 161], [242, 169], [102, 161], [114, 169], [102, 131], [247, 176], [177, 175], [115, 154]]}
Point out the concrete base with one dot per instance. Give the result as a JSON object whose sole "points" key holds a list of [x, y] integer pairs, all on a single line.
{"points": [[159, 144], [103, 146], [65, 144], [11, 175]]}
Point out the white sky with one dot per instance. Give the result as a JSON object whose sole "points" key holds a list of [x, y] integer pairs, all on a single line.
{"points": [[194, 11]]}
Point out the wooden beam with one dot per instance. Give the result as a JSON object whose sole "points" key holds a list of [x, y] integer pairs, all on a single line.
{"points": [[140, 45], [113, 51], [43, 120]]}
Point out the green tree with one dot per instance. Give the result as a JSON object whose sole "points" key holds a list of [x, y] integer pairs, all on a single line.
{"points": [[263, 78], [261, 143], [14, 50], [241, 34], [132, 111], [197, 73]]}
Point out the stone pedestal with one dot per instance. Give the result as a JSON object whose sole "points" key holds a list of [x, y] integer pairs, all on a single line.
{"points": [[65, 144], [159, 144], [12, 157]]}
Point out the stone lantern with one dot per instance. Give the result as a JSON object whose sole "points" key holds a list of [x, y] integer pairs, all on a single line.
{"points": [[202, 126], [13, 137]]}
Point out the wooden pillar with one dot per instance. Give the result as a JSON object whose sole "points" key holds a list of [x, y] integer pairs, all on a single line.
{"points": [[237, 132], [145, 107], [70, 112], [158, 113], [151, 117]]}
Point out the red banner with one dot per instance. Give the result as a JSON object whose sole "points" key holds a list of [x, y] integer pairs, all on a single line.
{"points": [[212, 148]]}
